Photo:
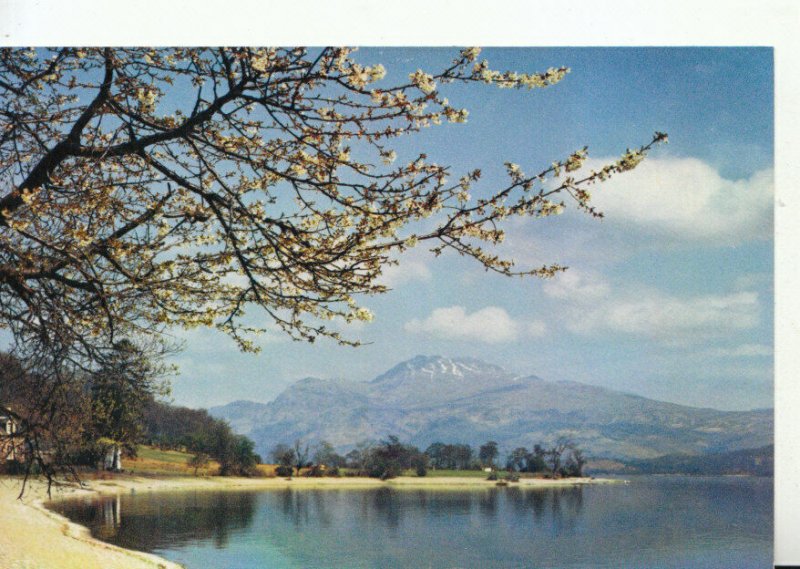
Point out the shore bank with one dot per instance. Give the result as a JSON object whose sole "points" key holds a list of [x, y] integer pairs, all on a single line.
{"points": [[33, 537]]}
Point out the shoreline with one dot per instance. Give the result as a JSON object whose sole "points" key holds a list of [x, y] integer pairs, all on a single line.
{"points": [[35, 537]]}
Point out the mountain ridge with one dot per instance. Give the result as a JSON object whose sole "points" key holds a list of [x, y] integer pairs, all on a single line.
{"points": [[434, 398]]}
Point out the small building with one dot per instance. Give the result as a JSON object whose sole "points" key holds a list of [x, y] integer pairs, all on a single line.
{"points": [[10, 439], [8, 426]]}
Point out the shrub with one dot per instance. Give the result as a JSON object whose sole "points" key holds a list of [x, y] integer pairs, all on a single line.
{"points": [[283, 470]]}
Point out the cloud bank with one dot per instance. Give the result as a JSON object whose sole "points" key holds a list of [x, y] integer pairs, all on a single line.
{"points": [[595, 306], [687, 199]]}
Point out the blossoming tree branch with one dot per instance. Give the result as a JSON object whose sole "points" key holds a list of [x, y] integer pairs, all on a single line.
{"points": [[147, 188]]}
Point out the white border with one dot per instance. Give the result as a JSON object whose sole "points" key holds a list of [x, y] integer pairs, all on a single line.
{"points": [[773, 23]]}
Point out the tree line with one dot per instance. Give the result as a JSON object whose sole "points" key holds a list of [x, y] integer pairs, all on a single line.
{"points": [[116, 409], [195, 431], [390, 457]]}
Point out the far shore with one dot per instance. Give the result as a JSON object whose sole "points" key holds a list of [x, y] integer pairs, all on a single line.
{"points": [[31, 536]]}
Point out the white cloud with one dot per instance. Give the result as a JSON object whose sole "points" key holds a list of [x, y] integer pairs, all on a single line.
{"points": [[490, 325], [687, 199], [594, 305]]}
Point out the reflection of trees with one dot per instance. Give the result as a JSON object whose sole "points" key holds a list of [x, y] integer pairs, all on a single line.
{"points": [[305, 507], [487, 503], [561, 507], [152, 522], [385, 503]]}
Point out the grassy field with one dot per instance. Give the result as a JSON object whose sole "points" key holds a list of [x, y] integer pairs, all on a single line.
{"points": [[151, 460]]}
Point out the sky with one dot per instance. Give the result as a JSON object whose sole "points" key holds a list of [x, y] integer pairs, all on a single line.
{"points": [[670, 296]]}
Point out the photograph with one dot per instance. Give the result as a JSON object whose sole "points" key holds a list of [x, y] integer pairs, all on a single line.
{"points": [[389, 306]]}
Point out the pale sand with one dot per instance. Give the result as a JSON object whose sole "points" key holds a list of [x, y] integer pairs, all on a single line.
{"points": [[32, 537]]}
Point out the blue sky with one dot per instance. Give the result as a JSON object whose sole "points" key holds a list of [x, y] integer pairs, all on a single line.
{"points": [[670, 296]]}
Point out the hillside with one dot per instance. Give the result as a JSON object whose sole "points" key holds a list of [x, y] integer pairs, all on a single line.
{"points": [[429, 399], [758, 462]]}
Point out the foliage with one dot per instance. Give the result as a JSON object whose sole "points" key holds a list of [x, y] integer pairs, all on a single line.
{"points": [[286, 471], [300, 455], [198, 461], [487, 453], [320, 470], [119, 392], [78, 421], [564, 458], [283, 455], [391, 457], [325, 454], [198, 432], [450, 456]]}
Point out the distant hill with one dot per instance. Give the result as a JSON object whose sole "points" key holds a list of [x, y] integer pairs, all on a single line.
{"points": [[429, 399], [758, 462]]}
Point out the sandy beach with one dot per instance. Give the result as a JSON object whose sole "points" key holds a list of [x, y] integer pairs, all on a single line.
{"points": [[33, 537]]}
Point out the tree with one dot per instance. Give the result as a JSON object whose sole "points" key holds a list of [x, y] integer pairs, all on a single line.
{"points": [[487, 453], [518, 459], [150, 188], [300, 455], [555, 454], [119, 392], [198, 461], [325, 454], [435, 453], [359, 456], [537, 460], [575, 463], [391, 457], [284, 457]]}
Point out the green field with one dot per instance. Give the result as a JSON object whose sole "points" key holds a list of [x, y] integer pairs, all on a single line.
{"points": [[172, 456]]}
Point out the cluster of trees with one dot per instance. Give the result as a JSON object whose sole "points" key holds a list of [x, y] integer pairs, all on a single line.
{"points": [[563, 458], [451, 457], [384, 460], [115, 410], [390, 457], [94, 422], [195, 431]]}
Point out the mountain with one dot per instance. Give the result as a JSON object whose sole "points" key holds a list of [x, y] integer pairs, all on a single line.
{"points": [[464, 400]]}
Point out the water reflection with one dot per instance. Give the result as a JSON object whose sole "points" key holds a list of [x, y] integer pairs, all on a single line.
{"points": [[154, 521], [653, 523]]}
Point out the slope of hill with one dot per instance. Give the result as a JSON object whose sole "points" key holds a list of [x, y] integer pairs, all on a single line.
{"points": [[429, 399], [757, 462]]}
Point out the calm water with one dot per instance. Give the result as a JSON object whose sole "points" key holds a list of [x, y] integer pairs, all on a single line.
{"points": [[653, 522]]}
